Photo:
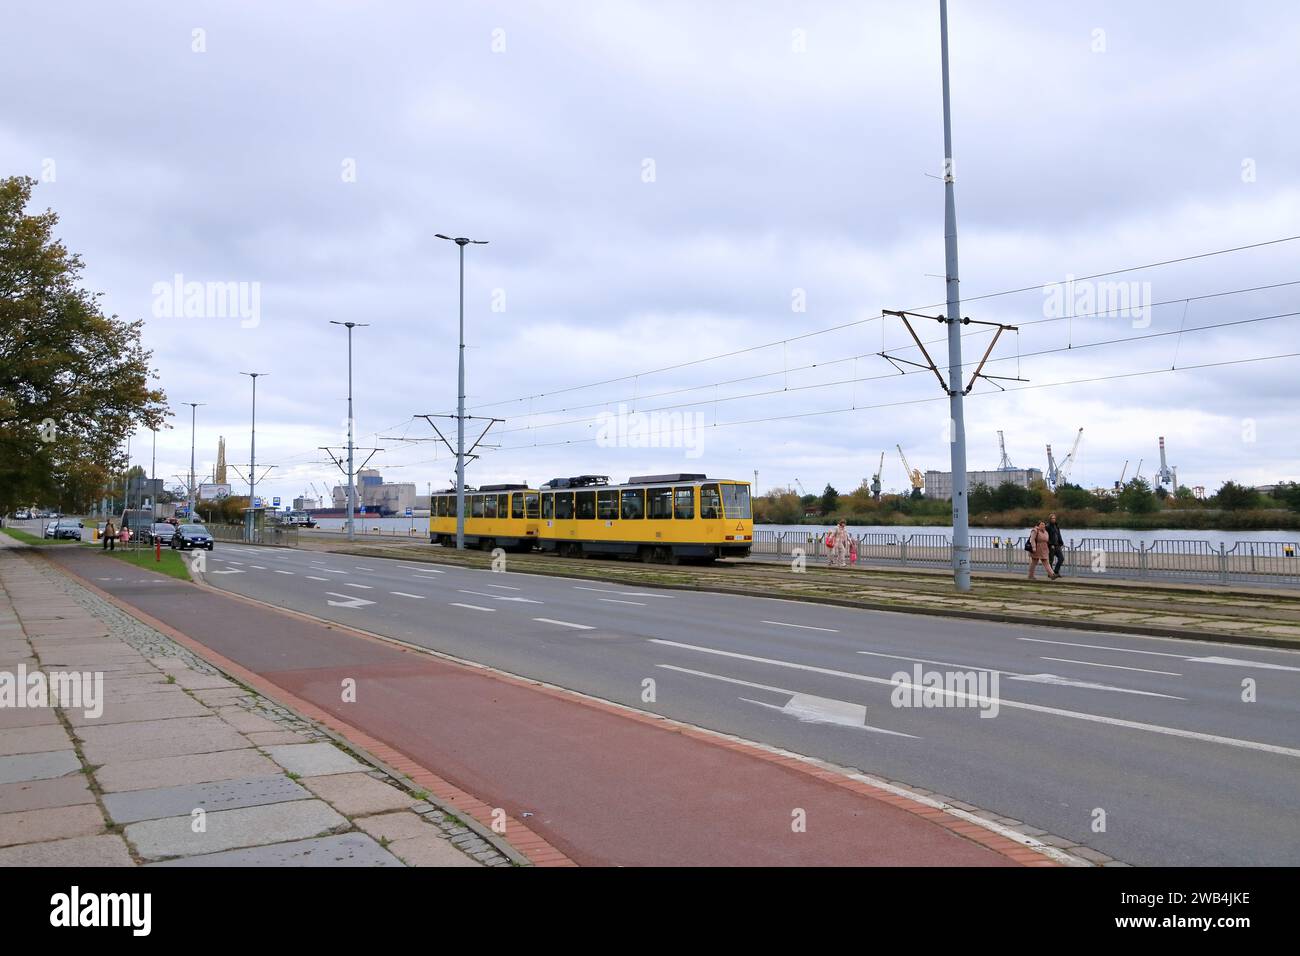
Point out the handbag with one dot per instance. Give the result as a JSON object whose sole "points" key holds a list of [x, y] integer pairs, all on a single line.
{"points": [[1029, 544]]}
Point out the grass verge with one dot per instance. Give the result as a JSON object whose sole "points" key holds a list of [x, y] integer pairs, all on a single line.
{"points": [[173, 563], [26, 538]]}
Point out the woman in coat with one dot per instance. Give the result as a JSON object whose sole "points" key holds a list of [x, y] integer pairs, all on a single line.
{"points": [[1038, 549], [838, 541]]}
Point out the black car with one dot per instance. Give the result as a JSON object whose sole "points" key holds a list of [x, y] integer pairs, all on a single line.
{"points": [[189, 536], [69, 530], [161, 531]]}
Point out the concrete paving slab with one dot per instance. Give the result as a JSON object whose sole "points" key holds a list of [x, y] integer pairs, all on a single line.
{"points": [[348, 849], [40, 766], [33, 740], [179, 705], [50, 823], [245, 722], [89, 851], [26, 717], [357, 794], [272, 737], [430, 851], [133, 806], [158, 738], [230, 829], [56, 792], [177, 771], [310, 760], [402, 825]]}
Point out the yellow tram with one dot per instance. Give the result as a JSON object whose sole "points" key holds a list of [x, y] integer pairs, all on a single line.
{"points": [[663, 518]]}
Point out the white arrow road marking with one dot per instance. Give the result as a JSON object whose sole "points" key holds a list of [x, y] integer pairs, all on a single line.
{"points": [[1231, 661], [577, 627], [348, 600], [312, 577], [980, 700], [1032, 678], [806, 627], [418, 597], [227, 571], [1120, 667], [364, 587], [806, 707], [472, 607], [1236, 663]]}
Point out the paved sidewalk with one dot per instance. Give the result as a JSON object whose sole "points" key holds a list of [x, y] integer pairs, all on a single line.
{"points": [[162, 760]]}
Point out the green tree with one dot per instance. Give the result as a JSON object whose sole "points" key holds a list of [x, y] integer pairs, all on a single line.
{"points": [[63, 419], [1235, 497], [830, 502], [1075, 498], [1136, 497]]}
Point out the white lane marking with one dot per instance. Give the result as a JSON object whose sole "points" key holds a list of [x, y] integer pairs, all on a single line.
{"points": [[1144, 670], [666, 597], [578, 627], [617, 601], [418, 597], [578, 587], [1230, 661], [312, 577], [500, 597], [227, 571], [504, 587], [980, 700], [420, 570], [472, 607], [806, 707], [331, 571], [278, 571], [348, 600], [360, 568], [806, 627], [364, 587], [1031, 678], [232, 561], [257, 566]]}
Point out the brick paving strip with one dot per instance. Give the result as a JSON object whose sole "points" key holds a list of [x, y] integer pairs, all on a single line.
{"points": [[619, 786], [183, 767]]}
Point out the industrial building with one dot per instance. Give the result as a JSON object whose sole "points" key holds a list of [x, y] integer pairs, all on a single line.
{"points": [[374, 494], [938, 484]]}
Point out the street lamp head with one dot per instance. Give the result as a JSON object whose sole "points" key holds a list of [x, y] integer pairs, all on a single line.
{"points": [[462, 240]]}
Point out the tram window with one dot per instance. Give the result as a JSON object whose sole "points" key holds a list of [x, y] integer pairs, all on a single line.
{"points": [[530, 504], [476, 506], [586, 507], [516, 505], [735, 498], [489, 506], [548, 506], [659, 503], [439, 507], [503, 505], [684, 504], [606, 505], [633, 504], [564, 506], [446, 506], [710, 502]]}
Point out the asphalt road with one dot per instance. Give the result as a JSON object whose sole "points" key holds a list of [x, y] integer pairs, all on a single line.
{"points": [[1151, 732]]}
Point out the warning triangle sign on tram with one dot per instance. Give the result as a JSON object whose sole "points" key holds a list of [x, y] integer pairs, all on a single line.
{"points": [[740, 526]]}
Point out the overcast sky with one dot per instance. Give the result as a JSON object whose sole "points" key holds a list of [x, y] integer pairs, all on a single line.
{"points": [[665, 183]]}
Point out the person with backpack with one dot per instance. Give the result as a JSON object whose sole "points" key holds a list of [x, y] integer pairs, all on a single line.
{"points": [[1036, 545]]}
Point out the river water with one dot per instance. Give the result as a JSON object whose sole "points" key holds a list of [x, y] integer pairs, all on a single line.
{"points": [[419, 526]]}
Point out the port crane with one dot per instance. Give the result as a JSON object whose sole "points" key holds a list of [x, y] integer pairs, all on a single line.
{"points": [[913, 475], [1058, 473], [875, 479], [1122, 472], [1005, 463]]}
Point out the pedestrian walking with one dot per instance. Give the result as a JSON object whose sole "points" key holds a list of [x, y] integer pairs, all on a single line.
{"points": [[1037, 548], [1055, 544], [839, 542], [109, 541]]}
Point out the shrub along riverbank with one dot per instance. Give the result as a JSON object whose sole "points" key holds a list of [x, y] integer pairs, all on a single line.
{"points": [[1261, 520]]}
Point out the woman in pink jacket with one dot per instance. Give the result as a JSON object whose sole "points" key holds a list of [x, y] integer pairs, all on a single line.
{"points": [[1038, 550]]}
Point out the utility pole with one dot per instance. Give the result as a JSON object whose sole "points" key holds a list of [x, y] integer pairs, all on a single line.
{"points": [[960, 502], [460, 405], [153, 477], [352, 485], [190, 504], [251, 523]]}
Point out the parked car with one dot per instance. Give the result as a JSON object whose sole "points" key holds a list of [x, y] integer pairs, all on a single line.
{"points": [[160, 531], [66, 529], [22, 515], [189, 536]]}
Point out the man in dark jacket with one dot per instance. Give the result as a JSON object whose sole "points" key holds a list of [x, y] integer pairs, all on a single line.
{"points": [[1055, 544]]}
